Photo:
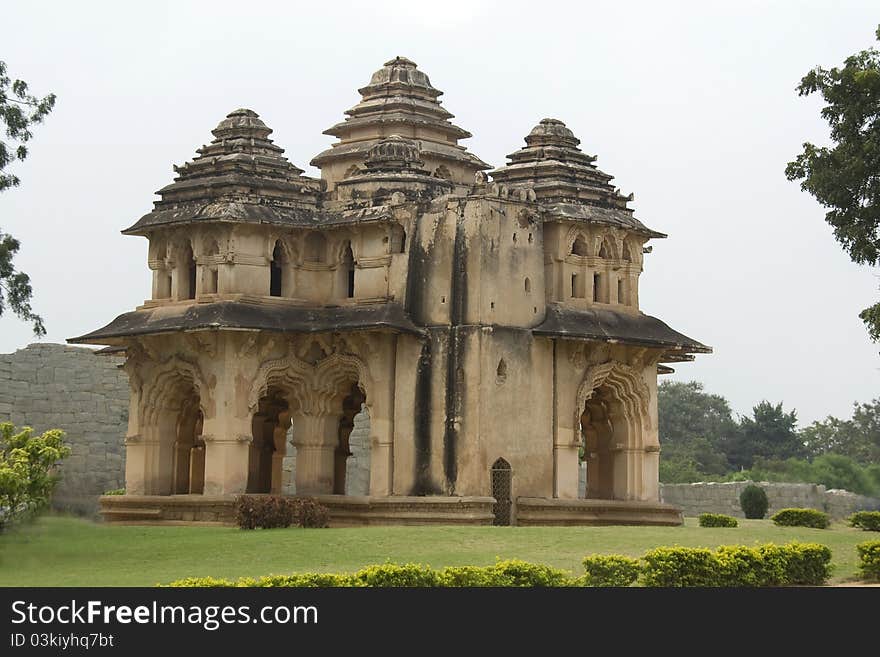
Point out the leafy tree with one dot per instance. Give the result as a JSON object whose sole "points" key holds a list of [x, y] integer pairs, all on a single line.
{"points": [[770, 434], [857, 438], [693, 425], [845, 178], [26, 463], [19, 112]]}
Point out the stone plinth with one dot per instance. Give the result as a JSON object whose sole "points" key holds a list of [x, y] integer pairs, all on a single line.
{"points": [[559, 512]]}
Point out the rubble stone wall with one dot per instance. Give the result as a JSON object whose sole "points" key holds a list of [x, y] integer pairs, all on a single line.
{"points": [[53, 386], [712, 497]]}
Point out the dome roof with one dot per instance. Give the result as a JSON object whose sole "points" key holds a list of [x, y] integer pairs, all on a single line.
{"points": [[241, 123], [400, 71], [394, 151], [552, 132]]}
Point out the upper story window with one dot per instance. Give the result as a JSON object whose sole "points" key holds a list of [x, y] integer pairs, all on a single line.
{"points": [[348, 269], [276, 270], [579, 248], [398, 239]]}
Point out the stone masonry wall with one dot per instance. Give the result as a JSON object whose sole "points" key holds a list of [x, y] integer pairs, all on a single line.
{"points": [[53, 386], [712, 497]]}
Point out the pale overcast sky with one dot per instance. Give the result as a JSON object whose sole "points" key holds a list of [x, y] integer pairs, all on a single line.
{"points": [[690, 105]]}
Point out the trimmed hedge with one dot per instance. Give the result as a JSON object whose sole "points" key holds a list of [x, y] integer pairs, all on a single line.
{"points": [[728, 566], [610, 570], [511, 573], [738, 566], [801, 518], [753, 501], [717, 520], [869, 559], [274, 511], [867, 520]]}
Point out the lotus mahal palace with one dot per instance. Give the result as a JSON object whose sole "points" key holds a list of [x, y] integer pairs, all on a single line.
{"points": [[412, 338]]}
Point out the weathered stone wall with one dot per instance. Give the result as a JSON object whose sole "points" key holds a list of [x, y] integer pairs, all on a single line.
{"points": [[53, 386], [712, 497]]}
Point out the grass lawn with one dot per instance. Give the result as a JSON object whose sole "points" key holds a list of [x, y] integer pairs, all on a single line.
{"points": [[67, 551]]}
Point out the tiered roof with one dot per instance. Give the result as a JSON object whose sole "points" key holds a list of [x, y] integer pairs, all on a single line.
{"points": [[565, 179], [240, 176], [400, 99]]}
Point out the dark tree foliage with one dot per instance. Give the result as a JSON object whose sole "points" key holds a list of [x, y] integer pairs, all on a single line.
{"points": [[845, 177], [858, 438], [769, 434], [19, 111], [693, 425]]}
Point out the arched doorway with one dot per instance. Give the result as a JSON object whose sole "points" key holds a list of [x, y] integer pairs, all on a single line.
{"points": [[597, 431], [351, 406], [502, 484], [189, 450], [269, 427], [612, 428]]}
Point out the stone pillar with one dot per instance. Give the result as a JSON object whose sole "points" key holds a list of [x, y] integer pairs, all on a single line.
{"points": [[279, 438], [135, 465], [651, 474], [627, 471], [315, 437], [226, 463]]}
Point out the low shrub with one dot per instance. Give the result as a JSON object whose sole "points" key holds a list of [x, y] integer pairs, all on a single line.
{"points": [[273, 511], [801, 518], [395, 575], [193, 582], [717, 520], [743, 566], [302, 580], [521, 573], [468, 576], [807, 564], [738, 566], [680, 566], [753, 502], [610, 570], [869, 559], [310, 513], [867, 520], [115, 491]]}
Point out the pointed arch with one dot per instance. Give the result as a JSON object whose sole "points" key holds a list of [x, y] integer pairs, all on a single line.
{"points": [[627, 388]]}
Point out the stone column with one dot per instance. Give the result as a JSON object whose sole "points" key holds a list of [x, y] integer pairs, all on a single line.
{"points": [[279, 439], [135, 465], [315, 436], [627, 470], [226, 462]]}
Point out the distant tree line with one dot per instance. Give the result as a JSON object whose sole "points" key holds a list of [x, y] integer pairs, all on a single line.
{"points": [[701, 440]]}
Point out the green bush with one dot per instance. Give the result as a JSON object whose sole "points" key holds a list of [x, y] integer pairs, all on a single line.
{"points": [[390, 574], [302, 580], [273, 511], [193, 582], [115, 491], [743, 566], [801, 518], [26, 463], [753, 502], [468, 576], [738, 566], [717, 520], [611, 570], [869, 559], [807, 564], [679, 566], [521, 573], [867, 520]]}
